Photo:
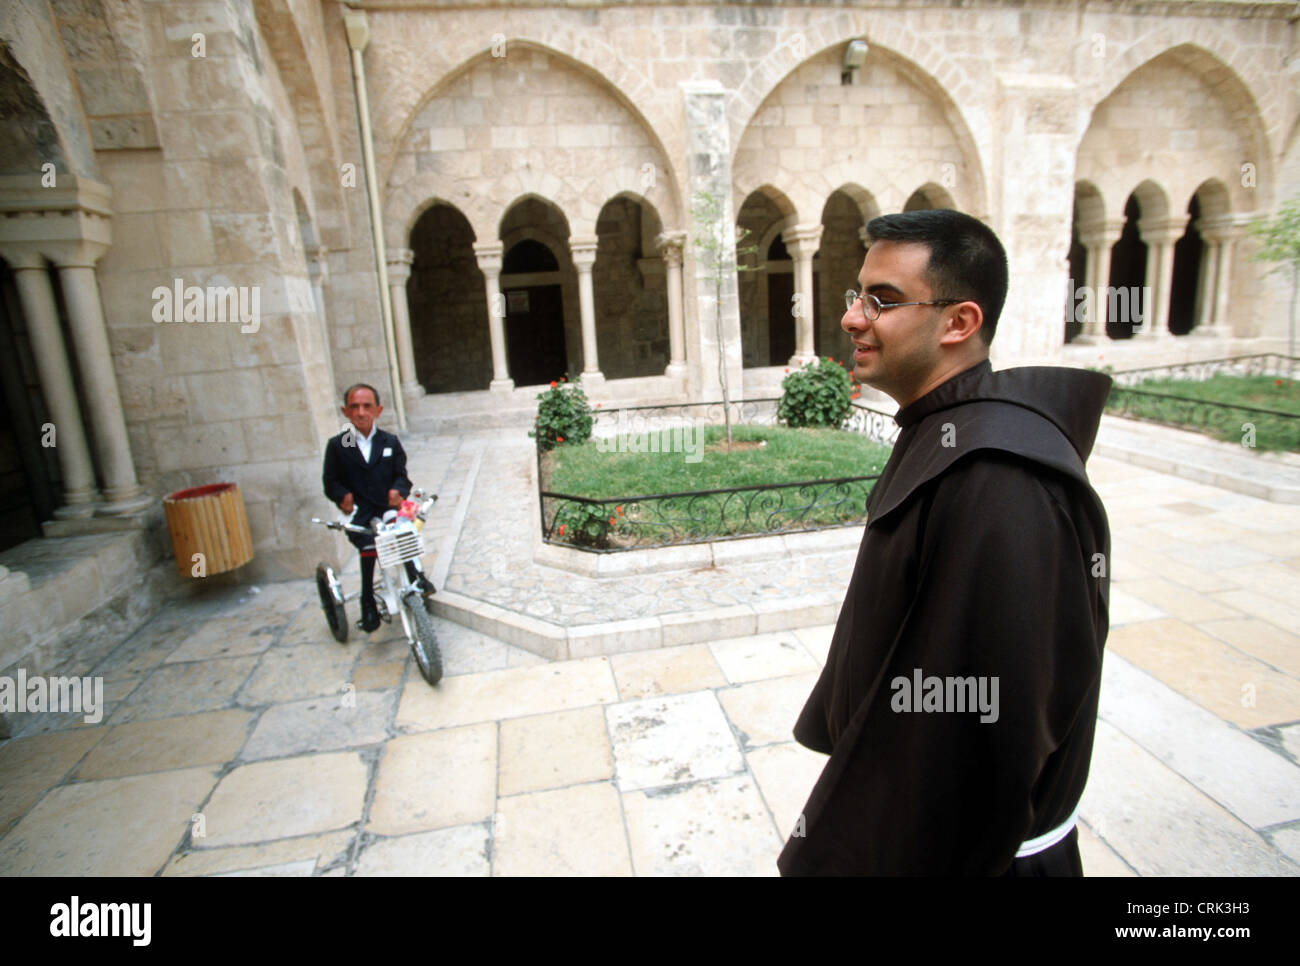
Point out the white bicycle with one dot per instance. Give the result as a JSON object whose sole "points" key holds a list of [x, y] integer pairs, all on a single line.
{"points": [[397, 541]]}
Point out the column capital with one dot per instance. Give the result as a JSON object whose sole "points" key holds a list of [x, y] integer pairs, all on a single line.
{"points": [[22, 255], [1102, 233], [83, 253], [489, 256], [583, 250], [1162, 231], [399, 265], [802, 241], [670, 245], [1223, 228]]}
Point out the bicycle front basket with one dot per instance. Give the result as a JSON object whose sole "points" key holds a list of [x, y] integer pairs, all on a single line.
{"points": [[398, 546]]}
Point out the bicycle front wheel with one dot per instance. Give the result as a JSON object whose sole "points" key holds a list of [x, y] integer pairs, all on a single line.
{"points": [[423, 644], [331, 601]]}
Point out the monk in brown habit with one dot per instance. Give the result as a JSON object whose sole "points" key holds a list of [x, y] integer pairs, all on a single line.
{"points": [[959, 697]]}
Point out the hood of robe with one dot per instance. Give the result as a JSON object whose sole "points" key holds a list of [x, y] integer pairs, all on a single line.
{"points": [[1073, 399], [1046, 414]]}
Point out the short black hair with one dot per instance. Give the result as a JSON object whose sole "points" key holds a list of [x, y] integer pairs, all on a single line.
{"points": [[967, 261], [360, 385]]}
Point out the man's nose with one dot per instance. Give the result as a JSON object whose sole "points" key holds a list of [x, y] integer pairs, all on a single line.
{"points": [[854, 320]]}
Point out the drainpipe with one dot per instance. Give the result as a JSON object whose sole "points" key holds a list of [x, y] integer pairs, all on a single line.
{"points": [[354, 21]]}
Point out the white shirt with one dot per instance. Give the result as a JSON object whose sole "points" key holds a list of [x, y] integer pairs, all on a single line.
{"points": [[363, 442]]}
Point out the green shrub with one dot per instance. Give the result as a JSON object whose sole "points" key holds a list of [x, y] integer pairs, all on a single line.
{"points": [[816, 395], [563, 416], [585, 524]]}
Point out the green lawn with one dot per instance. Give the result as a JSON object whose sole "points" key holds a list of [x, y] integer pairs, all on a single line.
{"points": [[790, 456], [1257, 392]]}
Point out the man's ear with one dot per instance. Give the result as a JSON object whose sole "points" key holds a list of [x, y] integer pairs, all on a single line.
{"points": [[962, 324]]}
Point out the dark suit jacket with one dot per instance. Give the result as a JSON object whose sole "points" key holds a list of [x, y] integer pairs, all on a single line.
{"points": [[369, 482]]}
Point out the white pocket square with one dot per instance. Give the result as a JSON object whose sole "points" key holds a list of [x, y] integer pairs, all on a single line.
{"points": [[388, 451]]}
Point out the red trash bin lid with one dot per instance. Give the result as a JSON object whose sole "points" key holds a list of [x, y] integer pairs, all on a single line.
{"points": [[194, 492]]}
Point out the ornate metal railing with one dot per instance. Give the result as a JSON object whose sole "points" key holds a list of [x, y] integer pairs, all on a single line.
{"points": [[1263, 364], [1234, 422], [664, 519], [876, 424]]}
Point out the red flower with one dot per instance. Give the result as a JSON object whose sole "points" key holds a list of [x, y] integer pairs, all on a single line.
{"points": [[552, 383], [559, 439], [1277, 382], [787, 369], [561, 529], [611, 521], [618, 510], [597, 405]]}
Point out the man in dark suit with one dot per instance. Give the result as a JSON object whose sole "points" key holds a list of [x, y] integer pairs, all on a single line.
{"points": [[365, 475]]}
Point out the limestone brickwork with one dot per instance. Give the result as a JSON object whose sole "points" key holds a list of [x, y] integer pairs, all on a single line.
{"points": [[224, 138]]}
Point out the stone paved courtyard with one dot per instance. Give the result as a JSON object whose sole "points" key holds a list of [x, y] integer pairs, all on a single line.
{"points": [[239, 737]]}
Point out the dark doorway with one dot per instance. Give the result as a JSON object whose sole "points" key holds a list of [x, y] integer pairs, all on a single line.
{"points": [[1078, 261], [1187, 274], [1128, 270], [30, 480], [535, 347]]}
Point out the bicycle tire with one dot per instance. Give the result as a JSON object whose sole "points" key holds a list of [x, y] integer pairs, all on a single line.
{"points": [[425, 644], [331, 602]]}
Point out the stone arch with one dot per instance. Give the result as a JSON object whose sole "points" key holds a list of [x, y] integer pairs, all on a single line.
{"points": [[1235, 74], [447, 303], [28, 137], [929, 195], [543, 322], [942, 69], [1210, 98], [809, 115], [447, 149], [767, 332], [630, 289], [313, 111]]}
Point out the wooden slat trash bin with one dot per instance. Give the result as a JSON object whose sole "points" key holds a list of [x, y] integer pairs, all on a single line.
{"points": [[211, 521]]}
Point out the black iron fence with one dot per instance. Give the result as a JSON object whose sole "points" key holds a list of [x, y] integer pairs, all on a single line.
{"points": [[1257, 426], [665, 519]]}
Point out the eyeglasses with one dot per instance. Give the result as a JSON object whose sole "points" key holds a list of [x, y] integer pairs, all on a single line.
{"points": [[872, 306]]}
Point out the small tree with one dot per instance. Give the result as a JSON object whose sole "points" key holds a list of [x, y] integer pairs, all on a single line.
{"points": [[717, 261], [1279, 239]]}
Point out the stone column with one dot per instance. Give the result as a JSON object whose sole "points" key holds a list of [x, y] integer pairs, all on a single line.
{"points": [[76, 264], [670, 248], [1222, 233], [583, 250], [713, 318], [1098, 239], [489, 263], [802, 242], [46, 337], [1160, 237], [399, 270]]}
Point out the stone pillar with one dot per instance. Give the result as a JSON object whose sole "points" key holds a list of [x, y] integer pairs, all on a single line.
{"points": [[1098, 239], [583, 250], [488, 256], [46, 337], [76, 264], [399, 270], [1160, 237], [802, 242], [1222, 233], [713, 325], [670, 248]]}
